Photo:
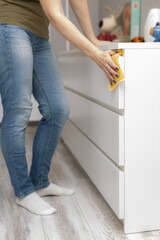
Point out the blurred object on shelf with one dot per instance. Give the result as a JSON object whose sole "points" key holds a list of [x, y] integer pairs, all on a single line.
{"points": [[106, 36], [138, 39], [135, 19], [155, 32], [118, 23], [113, 24], [151, 29], [123, 23], [126, 22]]}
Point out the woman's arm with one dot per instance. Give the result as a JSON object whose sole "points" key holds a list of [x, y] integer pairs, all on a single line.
{"points": [[54, 12], [81, 11]]}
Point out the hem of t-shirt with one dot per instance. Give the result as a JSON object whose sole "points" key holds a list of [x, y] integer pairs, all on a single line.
{"points": [[3, 21]]}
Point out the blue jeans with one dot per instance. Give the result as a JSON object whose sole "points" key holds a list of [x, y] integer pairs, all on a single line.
{"points": [[29, 66]]}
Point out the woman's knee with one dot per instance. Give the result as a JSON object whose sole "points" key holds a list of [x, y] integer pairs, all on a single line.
{"points": [[20, 114], [24, 114], [58, 112], [61, 111], [65, 109]]}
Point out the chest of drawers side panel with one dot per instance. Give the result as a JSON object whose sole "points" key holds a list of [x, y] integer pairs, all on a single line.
{"points": [[142, 140]]}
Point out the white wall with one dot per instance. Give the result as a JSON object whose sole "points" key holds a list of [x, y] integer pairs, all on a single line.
{"points": [[146, 5], [57, 40], [94, 14]]}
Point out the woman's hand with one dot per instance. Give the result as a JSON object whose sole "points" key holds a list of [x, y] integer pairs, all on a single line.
{"points": [[105, 62], [104, 59]]}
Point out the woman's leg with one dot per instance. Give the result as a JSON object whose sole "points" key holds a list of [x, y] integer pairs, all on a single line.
{"points": [[16, 72], [48, 90], [16, 67]]}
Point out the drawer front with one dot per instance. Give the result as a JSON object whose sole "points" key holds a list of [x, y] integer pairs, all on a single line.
{"points": [[104, 127], [107, 178], [82, 74]]}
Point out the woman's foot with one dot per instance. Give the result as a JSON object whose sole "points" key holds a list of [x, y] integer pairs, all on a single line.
{"points": [[54, 189], [35, 204]]}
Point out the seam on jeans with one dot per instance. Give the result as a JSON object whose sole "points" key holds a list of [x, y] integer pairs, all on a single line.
{"points": [[42, 186], [43, 159], [25, 193], [36, 40], [11, 92], [6, 41]]}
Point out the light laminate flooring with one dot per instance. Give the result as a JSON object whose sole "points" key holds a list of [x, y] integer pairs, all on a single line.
{"points": [[82, 216]]}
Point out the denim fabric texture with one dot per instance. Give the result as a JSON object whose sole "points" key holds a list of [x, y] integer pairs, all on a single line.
{"points": [[28, 66]]}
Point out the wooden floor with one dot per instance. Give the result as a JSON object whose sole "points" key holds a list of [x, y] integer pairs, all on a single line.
{"points": [[83, 216]]}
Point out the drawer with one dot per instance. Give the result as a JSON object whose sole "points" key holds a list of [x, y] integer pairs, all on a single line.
{"points": [[82, 74], [104, 127], [105, 175]]}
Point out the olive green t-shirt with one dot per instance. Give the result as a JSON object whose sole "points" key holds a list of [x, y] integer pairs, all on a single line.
{"points": [[25, 13]]}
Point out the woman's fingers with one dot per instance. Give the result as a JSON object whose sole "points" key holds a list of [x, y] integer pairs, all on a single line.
{"points": [[111, 52], [112, 71], [112, 64], [109, 76], [110, 61], [105, 62]]}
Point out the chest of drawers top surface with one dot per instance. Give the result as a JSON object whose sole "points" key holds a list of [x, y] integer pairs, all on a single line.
{"points": [[130, 45]]}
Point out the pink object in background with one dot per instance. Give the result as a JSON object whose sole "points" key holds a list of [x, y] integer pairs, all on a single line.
{"points": [[107, 36]]}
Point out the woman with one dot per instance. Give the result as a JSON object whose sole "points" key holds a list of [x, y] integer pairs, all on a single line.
{"points": [[28, 65]]}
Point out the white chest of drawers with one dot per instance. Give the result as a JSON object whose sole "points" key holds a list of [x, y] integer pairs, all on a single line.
{"points": [[115, 136]]}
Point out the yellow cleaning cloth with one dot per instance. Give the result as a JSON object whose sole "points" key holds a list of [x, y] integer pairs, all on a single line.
{"points": [[116, 59]]}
